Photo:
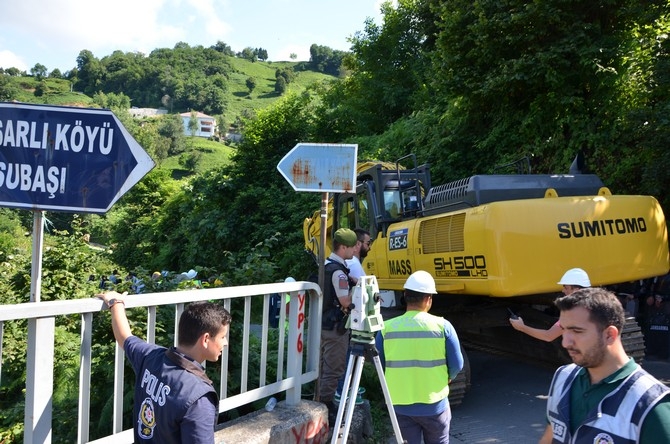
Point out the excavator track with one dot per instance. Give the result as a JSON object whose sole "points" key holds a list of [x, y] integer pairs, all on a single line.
{"points": [[461, 384], [633, 339]]}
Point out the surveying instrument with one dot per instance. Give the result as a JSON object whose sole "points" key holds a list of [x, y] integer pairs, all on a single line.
{"points": [[364, 320]]}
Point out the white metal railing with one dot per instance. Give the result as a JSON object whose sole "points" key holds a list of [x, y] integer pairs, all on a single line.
{"points": [[302, 346]]}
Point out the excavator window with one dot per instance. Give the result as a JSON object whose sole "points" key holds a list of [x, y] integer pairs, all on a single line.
{"points": [[410, 202], [363, 219], [392, 204], [347, 213]]}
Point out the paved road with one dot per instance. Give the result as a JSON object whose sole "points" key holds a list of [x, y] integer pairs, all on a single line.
{"points": [[505, 403], [507, 400]]}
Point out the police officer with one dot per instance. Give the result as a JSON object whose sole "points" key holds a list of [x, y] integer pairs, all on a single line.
{"points": [[421, 355], [604, 396], [174, 401], [336, 301]]}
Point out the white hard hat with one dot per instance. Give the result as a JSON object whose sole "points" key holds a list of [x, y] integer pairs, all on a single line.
{"points": [[575, 276], [421, 281]]}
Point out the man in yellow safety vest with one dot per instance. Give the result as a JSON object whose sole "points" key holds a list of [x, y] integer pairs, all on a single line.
{"points": [[421, 354]]}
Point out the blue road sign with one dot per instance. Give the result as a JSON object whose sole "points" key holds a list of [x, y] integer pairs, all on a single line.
{"points": [[323, 167], [66, 159]]}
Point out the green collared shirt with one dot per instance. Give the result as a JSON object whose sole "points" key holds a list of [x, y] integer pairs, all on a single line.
{"points": [[584, 397]]}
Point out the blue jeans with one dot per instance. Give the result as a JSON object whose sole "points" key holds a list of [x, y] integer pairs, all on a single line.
{"points": [[435, 429]]}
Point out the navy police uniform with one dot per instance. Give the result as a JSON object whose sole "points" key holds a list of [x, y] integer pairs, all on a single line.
{"points": [[174, 402]]}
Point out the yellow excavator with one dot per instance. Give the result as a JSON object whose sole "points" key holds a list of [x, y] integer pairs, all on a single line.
{"points": [[498, 243]]}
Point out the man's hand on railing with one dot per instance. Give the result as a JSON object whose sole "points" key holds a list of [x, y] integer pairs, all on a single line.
{"points": [[120, 324], [112, 297]]}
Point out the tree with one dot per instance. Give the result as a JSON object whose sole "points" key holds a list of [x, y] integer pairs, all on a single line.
{"points": [[40, 89], [38, 71], [153, 143], [249, 53], [112, 100], [190, 160], [223, 48], [251, 84], [389, 68], [280, 85], [90, 72], [212, 99], [172, 128], [166, 101], [262, 54], [56, 74], [325, 59], [287, 73], [13, 72], [72, 75], [193, 123], [221, 125], [8, 90], [543, 78], [200, 224]]}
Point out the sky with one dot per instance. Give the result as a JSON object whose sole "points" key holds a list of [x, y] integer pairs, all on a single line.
{"points": [[54, 32]]}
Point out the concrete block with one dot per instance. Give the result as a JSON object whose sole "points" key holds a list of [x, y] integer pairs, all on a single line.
{"points": [[305, 423]]}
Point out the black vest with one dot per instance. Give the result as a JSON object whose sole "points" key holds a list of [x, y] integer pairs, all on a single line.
{"points": [[332, 313]]}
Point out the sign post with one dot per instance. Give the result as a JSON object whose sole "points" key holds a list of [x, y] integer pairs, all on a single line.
{"points": [[68, 159], [324, 168]]}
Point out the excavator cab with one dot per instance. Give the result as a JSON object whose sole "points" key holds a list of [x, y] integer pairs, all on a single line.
{"points": [[385, 194]]}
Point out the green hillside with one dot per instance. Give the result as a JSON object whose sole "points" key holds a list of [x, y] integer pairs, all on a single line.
{"points": [[239, 101], [264, 93], [55, 92], [211, 155]]}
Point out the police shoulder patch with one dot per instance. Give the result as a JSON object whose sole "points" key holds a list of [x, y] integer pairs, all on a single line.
{"points": [[343, 282]]}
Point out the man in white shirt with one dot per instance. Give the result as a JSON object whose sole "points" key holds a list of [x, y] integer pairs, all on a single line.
{"points": [[360, 252]]}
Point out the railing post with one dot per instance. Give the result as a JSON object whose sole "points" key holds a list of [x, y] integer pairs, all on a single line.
{"points": [[296, 345], [39, 380], [117, 403], [85, 353], [314, 333]]}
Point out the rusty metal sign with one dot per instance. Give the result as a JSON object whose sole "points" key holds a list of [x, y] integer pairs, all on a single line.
{"points": [[321, 167]]}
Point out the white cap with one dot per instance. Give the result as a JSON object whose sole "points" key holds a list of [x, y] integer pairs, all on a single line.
{"points": [[421, 281], [575, 276]]}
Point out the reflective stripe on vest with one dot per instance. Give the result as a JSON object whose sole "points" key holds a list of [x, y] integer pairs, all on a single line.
{"points": [[415, 356], [618, 416]]}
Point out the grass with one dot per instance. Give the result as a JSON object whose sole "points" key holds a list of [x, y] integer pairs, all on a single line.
{"points": [[241, 101], [214, 155], [57, 92]]}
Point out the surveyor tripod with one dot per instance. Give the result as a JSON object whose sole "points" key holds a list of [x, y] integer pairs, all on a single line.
{"points": [[361, 345]]}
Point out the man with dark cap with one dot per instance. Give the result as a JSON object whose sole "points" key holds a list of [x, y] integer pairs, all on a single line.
{"points": [[336, 300]]}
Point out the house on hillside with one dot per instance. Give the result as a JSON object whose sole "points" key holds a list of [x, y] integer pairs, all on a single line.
{"points": [[146, 112], [206, 124]]}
